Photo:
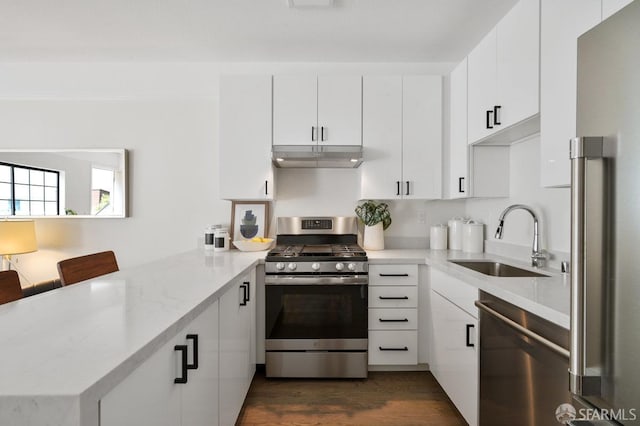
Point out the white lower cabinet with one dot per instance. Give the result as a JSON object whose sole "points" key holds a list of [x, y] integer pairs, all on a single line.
{"points": [[237, 352], [149, 395], [454, 355], [393, 315]]}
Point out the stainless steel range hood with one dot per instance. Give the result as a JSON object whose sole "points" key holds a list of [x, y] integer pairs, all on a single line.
{"points": [[316, 156]]}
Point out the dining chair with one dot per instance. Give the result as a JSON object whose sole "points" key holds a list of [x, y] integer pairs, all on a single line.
{"points": [[86, 267], [10, 288]]}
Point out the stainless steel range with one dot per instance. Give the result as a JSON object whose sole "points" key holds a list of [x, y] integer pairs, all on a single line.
{"points": [[316, 299]]}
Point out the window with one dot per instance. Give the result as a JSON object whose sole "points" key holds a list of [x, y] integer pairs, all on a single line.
{"points": [[28, 191]]}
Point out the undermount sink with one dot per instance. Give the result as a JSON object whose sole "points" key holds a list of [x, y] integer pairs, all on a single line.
{"points": [[496, 269]]}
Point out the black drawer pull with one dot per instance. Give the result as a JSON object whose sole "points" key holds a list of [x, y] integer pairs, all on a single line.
{"points": [[393, 320], [183, 377], [489, 113], [461, 184], [248, 284], [468, 336], [407, 193], [394, 297], [397, 187], [245, 293], [394, 275], [403, 349], [194, 338]]}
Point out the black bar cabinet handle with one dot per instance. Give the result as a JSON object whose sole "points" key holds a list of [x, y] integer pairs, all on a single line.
{"points": [[183, 378], [468, 337], [407, 188], [266, 187], [489, 112], [244, 295], [403, 349], [322, 133], [394, 297], [393, 320], [461, 184], [496, 115], [397, 187], [394, 275], [194, 338], [313, 133], [248, 292]]}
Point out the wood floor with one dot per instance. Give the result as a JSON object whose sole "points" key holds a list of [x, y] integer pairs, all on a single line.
{"points": [[398, 398]]}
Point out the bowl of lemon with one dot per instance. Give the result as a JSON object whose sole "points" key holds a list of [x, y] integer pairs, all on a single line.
{"points": [[254, 244]]}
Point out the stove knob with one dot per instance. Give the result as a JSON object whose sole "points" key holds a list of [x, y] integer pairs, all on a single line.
{"points": [[292, 266], [279, 266], [339, 266], [315, 266], [352, 266]]}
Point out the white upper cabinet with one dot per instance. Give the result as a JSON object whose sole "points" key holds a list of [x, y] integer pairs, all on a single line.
{"points": [[458, 148], [609, 7], [244, 163], [323, 110], [474, 171], [422, 137], [562, 22], [504, 76], [402, 137], [482, 88], [381, 171]]}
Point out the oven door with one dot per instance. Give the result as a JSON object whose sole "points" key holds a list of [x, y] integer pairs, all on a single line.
{"points": [[316, 312]]}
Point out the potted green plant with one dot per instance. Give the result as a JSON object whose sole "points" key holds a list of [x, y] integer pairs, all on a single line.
{"points": [[376, 218]]}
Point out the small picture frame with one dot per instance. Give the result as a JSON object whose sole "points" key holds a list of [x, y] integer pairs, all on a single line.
{"points": [[249, 219]]}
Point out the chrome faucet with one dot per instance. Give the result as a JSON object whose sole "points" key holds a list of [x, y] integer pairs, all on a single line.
{"points": [[538, 257]]}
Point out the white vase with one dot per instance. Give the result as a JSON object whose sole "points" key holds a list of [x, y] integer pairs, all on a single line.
{"points": [[374, 237]]}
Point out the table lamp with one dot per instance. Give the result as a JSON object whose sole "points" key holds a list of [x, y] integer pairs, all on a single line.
{"points": [[16, 237]]}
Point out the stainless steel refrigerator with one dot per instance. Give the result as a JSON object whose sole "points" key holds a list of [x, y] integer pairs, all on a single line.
{"points": [[605, 228]]}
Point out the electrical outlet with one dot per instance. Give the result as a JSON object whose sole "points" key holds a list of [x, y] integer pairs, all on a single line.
{"points": [[422, 217]]}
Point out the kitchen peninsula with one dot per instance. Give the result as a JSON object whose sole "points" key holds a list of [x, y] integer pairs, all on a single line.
{"points": [[64, 350]]}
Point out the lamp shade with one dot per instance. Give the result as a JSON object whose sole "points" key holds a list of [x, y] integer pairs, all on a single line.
{"points": [[17, 237]]}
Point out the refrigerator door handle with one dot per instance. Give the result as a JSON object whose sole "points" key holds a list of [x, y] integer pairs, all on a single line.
{"points": [[588, 228]]}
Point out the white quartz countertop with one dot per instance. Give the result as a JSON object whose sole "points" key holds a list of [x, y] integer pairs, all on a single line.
{"points": [[547, 297], [81, 340]]}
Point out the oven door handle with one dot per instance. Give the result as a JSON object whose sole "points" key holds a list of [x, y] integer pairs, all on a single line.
{"points": [[317, 280]]}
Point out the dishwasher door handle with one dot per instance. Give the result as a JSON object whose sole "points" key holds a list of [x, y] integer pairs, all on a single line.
{"points": [[522, 330]]}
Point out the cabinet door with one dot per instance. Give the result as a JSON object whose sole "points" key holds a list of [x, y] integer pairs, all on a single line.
{"points": [[381, 171], [244, 163], [295, 109], [458, 149], [609, 7], [518, 62], [340, 110], [234, 352], [422, 137], [562, 23], [482, 74], [200, 395], [148, 396], [454, 361]]}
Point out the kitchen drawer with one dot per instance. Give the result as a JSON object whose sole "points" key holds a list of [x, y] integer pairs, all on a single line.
{"points": [[391, 347], [393, 319], [393, 297], [456, 291], [393, 275]]}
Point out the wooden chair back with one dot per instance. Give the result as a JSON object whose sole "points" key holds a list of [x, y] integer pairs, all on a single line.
{"points": [[86, 267], [10, 289]]}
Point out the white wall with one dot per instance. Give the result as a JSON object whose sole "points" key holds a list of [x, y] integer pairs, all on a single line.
{"points": [[552, 205], [166, 116]]}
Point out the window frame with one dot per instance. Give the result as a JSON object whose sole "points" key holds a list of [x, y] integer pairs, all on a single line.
{"points": [[12, 200]]}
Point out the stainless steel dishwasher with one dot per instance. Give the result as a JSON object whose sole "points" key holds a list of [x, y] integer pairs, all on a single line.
{"points": [[524, 365]]}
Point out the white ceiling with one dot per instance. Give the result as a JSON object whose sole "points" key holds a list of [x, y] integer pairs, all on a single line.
{"points": [[244, 30]]}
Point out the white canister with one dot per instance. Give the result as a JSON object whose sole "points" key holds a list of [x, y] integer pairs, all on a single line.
{"points": [[438, 237], [455, 233], [473, 237], [221, 240]]}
